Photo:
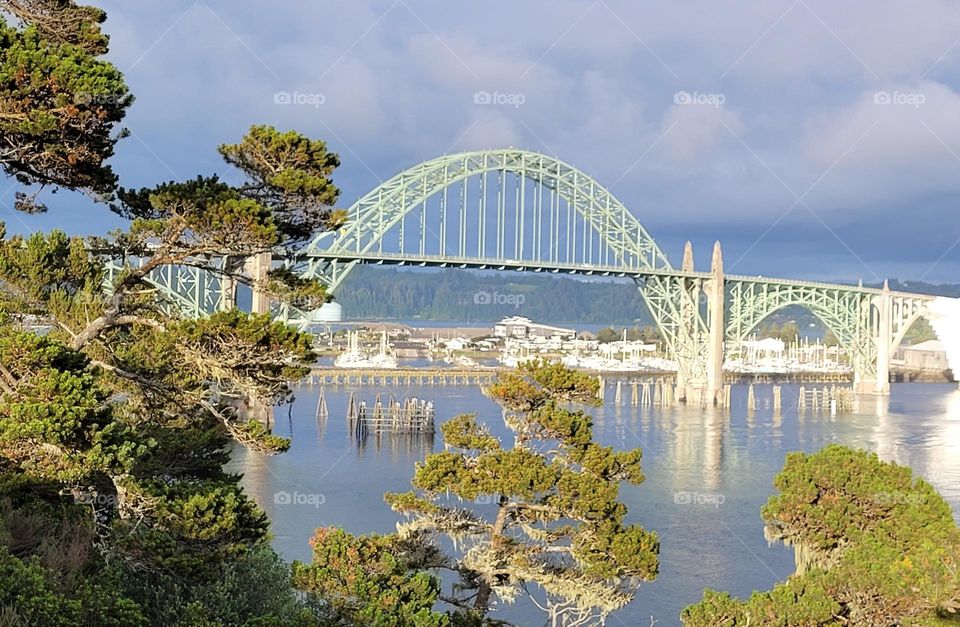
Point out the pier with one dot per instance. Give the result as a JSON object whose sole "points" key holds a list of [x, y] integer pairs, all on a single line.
{"points": [[486, 376], [634, 388], [402, 376]]}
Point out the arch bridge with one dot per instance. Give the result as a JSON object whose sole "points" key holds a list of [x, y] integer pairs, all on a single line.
{"points": [[518, 210]]}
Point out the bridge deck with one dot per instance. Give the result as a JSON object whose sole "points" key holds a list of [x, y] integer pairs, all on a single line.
{"points": [[523, 265]]}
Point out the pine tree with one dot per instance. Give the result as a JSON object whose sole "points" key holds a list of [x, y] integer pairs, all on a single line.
{"points": [[874, 546], [557, 532], [115, 410]]}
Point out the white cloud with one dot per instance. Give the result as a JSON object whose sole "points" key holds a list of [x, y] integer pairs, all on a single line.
{"points": [[896, 141]]}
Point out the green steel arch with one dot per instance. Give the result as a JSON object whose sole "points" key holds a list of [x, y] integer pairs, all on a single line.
{"points": [[853, 313], [511, 209], [840, 308], [616, 239]]}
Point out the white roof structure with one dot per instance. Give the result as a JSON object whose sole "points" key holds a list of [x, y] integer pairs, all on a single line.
{"points": [[515, 320], [770, 344], [929, 345], [526, 322]]}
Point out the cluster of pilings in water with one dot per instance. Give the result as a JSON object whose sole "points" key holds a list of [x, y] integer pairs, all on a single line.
{"points": [[656, 393], [662, 393], [648, 393], [776, 401], [410, 415], [831, 399]]}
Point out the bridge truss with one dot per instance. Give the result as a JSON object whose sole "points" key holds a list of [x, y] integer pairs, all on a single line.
{"points": [[515, 210]]}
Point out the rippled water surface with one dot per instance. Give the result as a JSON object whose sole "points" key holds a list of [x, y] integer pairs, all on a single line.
{"points": [[725, 460]]}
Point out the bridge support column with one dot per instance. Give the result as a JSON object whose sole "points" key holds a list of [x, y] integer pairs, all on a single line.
{"points": [[257, 267], [228, 287], [686, 351], [228, 294], [692, 332], [715, 320], [872, 367], [884, 340]]}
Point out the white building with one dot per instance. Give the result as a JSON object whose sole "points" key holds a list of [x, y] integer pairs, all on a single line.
{"points": [[456, 344], [519, 327], [767, 348], [929, 355]]}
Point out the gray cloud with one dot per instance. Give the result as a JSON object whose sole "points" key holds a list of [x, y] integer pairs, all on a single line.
{"points": [[398, 81]]}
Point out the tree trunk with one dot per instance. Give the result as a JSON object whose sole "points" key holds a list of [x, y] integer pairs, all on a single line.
{"points": [[482, 602]]}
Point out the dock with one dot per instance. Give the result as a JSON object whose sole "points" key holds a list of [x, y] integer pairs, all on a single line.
{"points": [[403, 376], [485, 376]]}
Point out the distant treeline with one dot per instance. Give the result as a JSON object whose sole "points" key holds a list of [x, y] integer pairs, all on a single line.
{"points": [[389, 293], [937, 289], [379, 293]]}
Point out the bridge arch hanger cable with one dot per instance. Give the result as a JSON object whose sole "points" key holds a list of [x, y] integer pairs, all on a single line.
{"points": [[512, 209], [496, 207]]}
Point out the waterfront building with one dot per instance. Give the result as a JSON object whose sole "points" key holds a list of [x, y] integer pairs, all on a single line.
{"points": [[929, 355], [523, 328], [456, 343]]}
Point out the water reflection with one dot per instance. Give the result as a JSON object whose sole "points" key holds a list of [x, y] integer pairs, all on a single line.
{"points": [[399, 446], [945, 442], [708, 473]]}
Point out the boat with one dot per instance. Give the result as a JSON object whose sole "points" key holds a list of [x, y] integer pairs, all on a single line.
{"points": [[355, 357]]}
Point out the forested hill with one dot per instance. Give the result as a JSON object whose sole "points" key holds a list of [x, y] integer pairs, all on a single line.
{"points": [[388, 293], [937, 289], [378, 293]]}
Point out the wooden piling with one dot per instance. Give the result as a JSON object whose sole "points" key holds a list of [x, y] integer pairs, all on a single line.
{"points": [[322, 405]]}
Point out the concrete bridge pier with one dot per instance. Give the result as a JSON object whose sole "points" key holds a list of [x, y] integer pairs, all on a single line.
{"points": [[872, 373], [716, 293], [257, 267], [228, 294], [700, 332], [885, 340], [228, 286], [686, 331]]}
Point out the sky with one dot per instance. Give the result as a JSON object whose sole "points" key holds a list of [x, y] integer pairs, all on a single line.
{"points": [[814, 139]]}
